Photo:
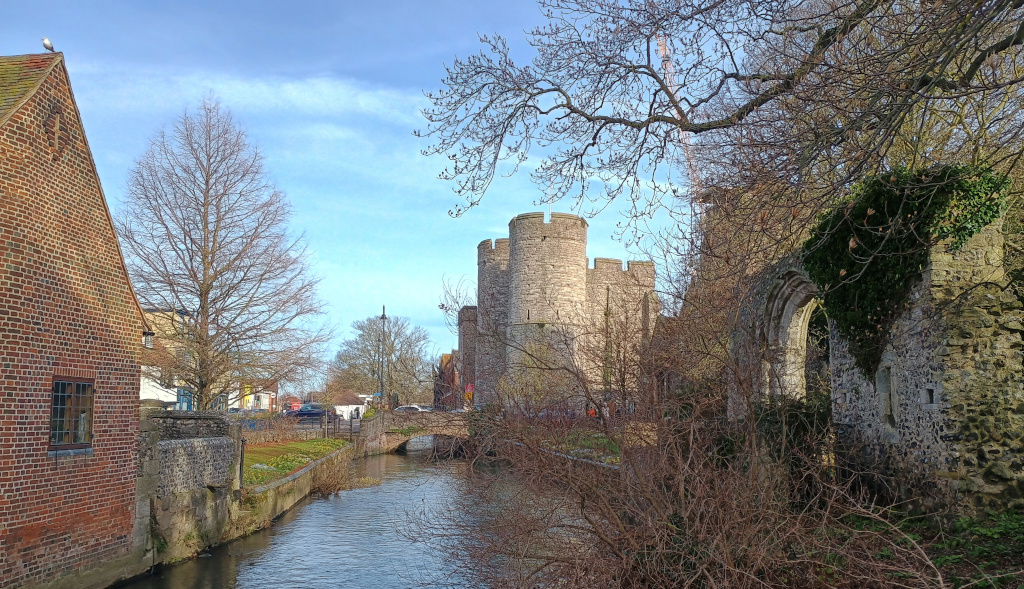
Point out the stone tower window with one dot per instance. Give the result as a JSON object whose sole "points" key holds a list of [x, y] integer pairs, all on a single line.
{"points": [[886, 395]]}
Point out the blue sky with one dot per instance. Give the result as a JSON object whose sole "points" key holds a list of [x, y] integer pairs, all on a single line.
{"points": [[330, 91]]}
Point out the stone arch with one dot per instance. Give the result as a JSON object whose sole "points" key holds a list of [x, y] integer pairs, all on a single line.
{"points": [[787, 315], [402, 428], [454, 441]]}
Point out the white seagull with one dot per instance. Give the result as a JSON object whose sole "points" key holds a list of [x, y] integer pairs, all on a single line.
{"points": [[47, 44]]}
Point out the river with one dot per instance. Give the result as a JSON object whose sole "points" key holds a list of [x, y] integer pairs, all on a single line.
{"points": [[351, 539]]}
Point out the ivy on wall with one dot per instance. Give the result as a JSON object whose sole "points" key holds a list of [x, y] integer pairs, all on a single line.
{"points": [[866, 253]]}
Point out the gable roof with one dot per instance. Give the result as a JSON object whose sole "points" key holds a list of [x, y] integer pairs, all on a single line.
{"points": [[20, 78], [20, 75]]}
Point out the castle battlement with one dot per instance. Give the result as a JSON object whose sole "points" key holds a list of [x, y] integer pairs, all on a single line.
{"points": [[609, 271], [557, 222], [607, 264], [493, 247], [644, 270], [540, 276]]}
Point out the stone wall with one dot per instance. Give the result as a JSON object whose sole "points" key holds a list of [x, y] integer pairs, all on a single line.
{"points": [[944, 414], [180, 425], [197, 463], [195, 499], [197, 454], [941, 420], [492, 316], [372, 435], [620, 307], [266, 436]]}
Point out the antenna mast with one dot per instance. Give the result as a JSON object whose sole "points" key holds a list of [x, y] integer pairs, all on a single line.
{"points": [[670, 79]]}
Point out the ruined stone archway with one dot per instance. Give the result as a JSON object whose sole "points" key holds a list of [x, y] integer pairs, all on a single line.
{"points": [[788, 311]]}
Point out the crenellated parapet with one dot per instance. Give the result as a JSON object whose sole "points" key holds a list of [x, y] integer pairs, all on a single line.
{"points": [[621, 299], [536, 291], [492, 251], [547, 268]]}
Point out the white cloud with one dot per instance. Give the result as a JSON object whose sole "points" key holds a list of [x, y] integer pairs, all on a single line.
{"points": [[132, 92]]}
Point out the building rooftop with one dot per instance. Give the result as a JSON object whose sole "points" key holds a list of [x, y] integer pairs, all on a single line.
{"points": [[19, 75]]}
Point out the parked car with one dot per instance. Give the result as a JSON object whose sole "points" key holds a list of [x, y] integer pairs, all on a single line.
{"points": [[410, 408], [310, 411], [425, 407]]}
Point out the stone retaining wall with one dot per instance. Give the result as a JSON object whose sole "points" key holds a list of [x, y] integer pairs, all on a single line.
{"points": [[372, 435], [188, 493], [191, 502], [197, 463], [197, 499], [261, 505]]}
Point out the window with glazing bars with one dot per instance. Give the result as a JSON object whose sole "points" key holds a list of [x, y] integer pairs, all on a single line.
{"points": [[71, 416]]}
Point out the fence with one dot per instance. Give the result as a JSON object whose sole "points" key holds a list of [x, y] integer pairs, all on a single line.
{"points": [[282, 429]]}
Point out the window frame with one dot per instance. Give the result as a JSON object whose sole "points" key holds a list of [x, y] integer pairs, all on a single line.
{"points": [[70, 409]]}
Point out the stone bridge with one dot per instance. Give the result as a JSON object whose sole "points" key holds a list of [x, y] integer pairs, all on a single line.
{"points": [[390, 430]]}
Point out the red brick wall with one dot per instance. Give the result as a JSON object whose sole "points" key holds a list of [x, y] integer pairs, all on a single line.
{"points": [[66, 308]]}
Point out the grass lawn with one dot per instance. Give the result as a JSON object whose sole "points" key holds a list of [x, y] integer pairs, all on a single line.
{"points": [[588, 444], [269, 462]]}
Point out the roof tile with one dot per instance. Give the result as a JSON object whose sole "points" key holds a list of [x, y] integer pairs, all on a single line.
{"points": [[19, 74]]}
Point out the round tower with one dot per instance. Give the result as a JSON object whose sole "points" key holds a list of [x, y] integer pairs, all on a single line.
{"points": [[547, 269], [492, 260], [547, 281]]}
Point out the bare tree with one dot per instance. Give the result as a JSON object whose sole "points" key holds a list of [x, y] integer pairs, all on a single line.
{"points": [[743, 121], [390, 347], [210, 253], [784, 102], [455, 294]]}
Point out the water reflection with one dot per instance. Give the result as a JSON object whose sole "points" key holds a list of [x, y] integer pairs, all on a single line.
{"points": [[349, 540]]}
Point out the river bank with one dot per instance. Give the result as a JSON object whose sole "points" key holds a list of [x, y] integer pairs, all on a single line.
{"points": [[351, 539]]}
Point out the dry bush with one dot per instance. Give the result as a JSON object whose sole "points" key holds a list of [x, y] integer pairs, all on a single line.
{"points": [[333, 476], [708, 505], [284, 428], [671, 493]]}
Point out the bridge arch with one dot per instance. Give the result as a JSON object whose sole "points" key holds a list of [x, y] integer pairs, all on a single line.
{"points": [[399, 429]]}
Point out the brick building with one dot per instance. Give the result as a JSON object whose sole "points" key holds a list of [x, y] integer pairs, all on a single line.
{"points": [[70, 333], [447, 393]]}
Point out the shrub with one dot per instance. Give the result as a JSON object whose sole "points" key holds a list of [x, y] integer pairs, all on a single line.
{"points": [[867, 253]]}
